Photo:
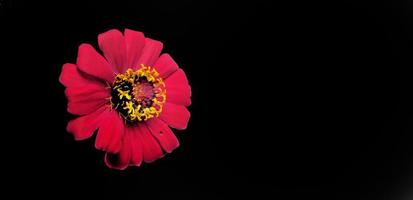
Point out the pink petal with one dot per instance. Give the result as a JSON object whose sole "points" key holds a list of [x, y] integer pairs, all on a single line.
{"points": [[92, 63], [151, 149], [110, 133], [163, 134], [112, 43], [83, 108], [176, 116], [150, 52], [83, 127], [178, 90], [165, 65], [136, 145], [122, 159], [72, 77], [135, 41], [86, 99]]}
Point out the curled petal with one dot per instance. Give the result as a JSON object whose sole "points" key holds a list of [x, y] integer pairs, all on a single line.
{"points": [[120, 160]]}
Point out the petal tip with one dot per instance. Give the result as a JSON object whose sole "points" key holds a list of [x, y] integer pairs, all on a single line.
{"points": [[112, 165], [126, 30]]}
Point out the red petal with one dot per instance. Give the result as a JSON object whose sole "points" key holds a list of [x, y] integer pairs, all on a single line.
{"points": [[92, 63], [163, 134], [151, 149], [83, 108], [165, 65], [178, 90], [150, 52], [122, 159], [86, 99], [136, 145], [135, 41], [176, 116], [84, 94], [110, 133], [112, 43], [83, 127], [72, 77]]}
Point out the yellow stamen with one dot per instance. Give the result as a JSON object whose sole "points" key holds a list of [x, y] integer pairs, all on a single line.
{"points": [[124, 94], [131, 109]]}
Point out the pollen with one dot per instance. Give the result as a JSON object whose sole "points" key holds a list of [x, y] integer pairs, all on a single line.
{"points": [[138, 95]]}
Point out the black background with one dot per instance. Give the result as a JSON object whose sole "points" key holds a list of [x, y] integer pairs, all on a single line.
{"points": [[298, 100]]}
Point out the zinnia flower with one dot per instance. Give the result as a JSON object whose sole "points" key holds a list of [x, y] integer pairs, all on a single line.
{"points": [[131, 95]]}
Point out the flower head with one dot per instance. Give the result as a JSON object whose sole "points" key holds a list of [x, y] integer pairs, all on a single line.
{"points": [[132, 95]]}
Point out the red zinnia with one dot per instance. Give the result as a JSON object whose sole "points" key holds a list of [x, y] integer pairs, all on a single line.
{"points": [[131, 96]]}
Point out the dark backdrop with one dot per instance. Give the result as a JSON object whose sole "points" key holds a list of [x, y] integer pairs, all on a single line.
{"points": [[299, 100]]}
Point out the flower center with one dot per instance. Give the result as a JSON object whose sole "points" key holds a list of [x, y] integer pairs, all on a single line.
{"points": [[138, 95]]}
